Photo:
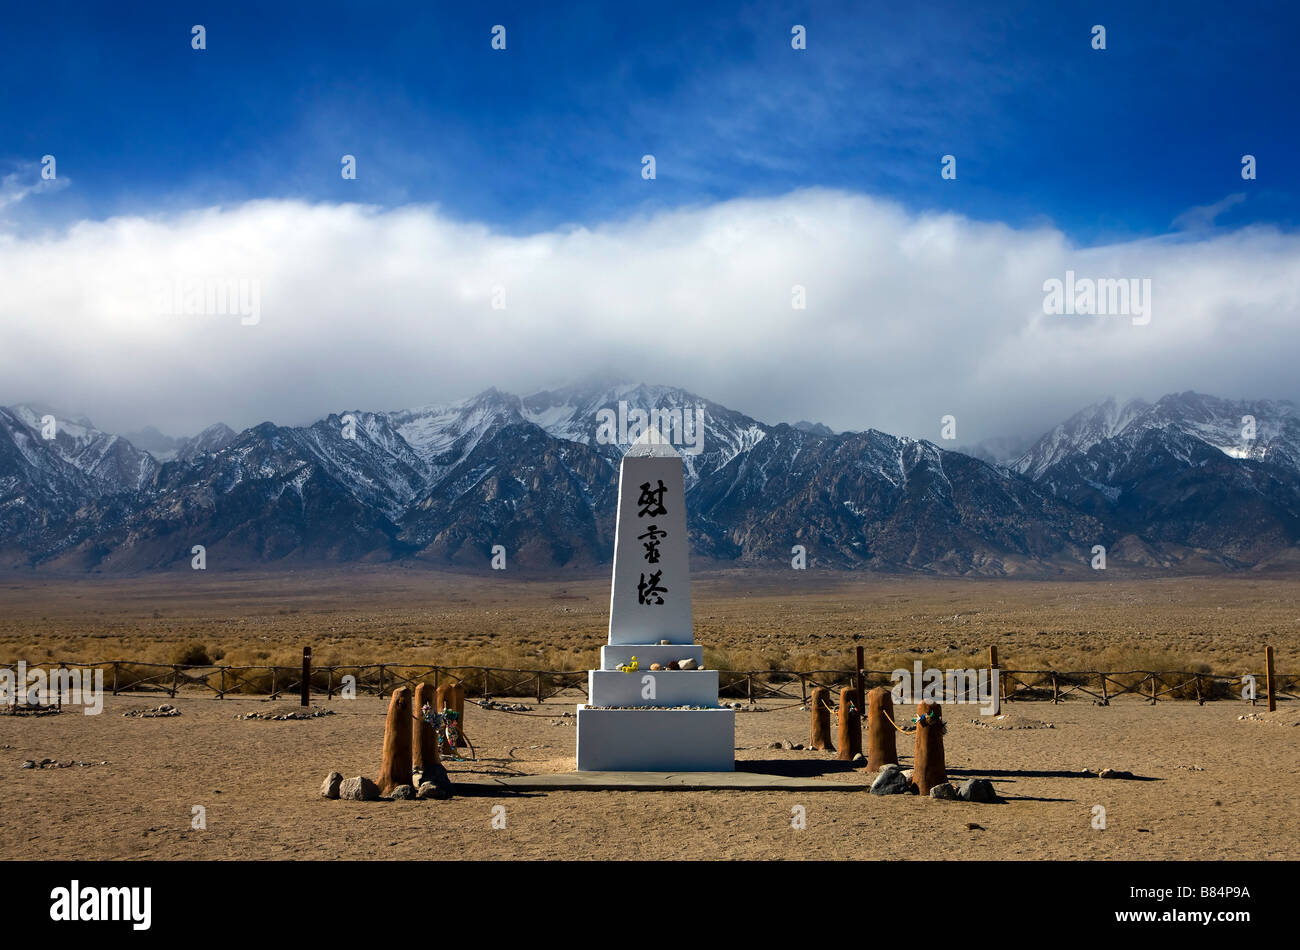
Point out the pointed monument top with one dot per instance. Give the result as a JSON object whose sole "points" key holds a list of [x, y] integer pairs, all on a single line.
{"points": [[652, 444]]}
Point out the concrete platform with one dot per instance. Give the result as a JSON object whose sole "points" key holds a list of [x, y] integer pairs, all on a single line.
{"points": [[656, 740], [670, 688], [658, 781]]}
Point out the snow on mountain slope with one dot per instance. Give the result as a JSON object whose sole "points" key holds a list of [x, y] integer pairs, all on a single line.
{"points": [[447, 482], [1214, 421], [111, 462]]}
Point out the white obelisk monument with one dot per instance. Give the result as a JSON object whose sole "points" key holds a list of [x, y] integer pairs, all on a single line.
{"points": [[648, 720]]}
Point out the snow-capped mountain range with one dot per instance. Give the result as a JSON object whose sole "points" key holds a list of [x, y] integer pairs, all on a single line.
{"points": [[1177, 482], [1219, 423]]}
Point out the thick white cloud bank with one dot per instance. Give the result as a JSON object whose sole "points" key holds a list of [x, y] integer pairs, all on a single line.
{"points": [[908, 317]]}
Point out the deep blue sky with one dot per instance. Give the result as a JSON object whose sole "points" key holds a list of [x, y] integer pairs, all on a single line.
{"points": [[1105, 145]]}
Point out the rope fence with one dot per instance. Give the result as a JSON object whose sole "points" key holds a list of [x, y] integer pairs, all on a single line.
{"points": [[122, 676]]}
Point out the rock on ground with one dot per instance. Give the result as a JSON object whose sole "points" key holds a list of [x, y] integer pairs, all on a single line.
{"points": [[429, 790], [891, 781], [978, 790], [157, 712], [945, 792], [436, 776], [1114, 773], [359, 789], [330, 787], [402, 793]]}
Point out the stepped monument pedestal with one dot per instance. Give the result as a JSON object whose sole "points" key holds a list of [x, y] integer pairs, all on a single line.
{"points": [[639, 719]]}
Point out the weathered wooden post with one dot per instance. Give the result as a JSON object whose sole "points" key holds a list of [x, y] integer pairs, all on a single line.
{"points": [[850, 726], [862, 687], [115, 666], [1269, 679], [176, 676], [306, 676], [881, 747], [424, 741], [395, 761], [821, 720], [928, 769], [539, 687], [996, 677]]}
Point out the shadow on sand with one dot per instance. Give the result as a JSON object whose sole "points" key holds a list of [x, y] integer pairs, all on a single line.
{"points": [[794, 768]]}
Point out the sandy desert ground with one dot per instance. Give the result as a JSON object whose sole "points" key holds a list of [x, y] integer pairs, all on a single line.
{"points": [[746, 619], [1208, 785]]}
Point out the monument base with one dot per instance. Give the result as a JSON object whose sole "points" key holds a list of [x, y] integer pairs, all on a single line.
{"points": [[671, 688], [656, 740]]}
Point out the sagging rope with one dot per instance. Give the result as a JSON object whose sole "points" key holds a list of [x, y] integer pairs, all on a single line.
{"points": [[894, 724], [932, 718]]}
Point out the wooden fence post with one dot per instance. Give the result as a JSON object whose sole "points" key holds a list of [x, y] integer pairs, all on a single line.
{"points": [[329, 683], [803, 688], [881, 747], [1105, 694], [820, 737], [862, 691], [539, 688], [221, 693], [1269, 679], [424, 739], [306, 676], [1154, 680], [176, 675], [850, 738], [1056, 695], [395, 761], [928, 765], [997, 677], [115, 665]]}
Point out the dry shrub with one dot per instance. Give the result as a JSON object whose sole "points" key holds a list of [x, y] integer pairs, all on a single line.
{"points": [[191, 654]]}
